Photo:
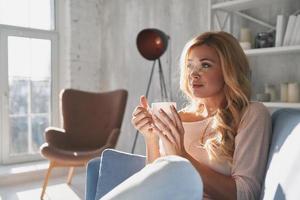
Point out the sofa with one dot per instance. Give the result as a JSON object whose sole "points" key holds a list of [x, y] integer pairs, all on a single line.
{"points": [[282, 177]]}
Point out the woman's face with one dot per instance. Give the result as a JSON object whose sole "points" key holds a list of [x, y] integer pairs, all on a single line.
{"points": [[204, 72]]}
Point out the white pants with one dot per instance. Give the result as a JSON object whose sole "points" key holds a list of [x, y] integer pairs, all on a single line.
{"points": [[169, 177]]}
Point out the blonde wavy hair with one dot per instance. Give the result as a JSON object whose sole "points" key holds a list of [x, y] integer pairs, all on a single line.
{"points": [[237, 90]]}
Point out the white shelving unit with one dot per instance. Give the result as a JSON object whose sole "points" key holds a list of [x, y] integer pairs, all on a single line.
{"points": [[281, 105], [231, 7], [273, 51], [237, 5]]}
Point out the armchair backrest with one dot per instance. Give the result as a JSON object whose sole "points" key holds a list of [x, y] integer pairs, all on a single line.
{"points": [[91, 117], [282, 178]]}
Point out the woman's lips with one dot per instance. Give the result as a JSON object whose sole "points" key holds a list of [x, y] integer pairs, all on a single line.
{"points": [[197, 85]]}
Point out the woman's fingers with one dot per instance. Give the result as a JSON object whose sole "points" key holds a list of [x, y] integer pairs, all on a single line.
{"points": [[170, 123], [142, 122], [163, 137], [164, 129], [146, 127], [141, 117], [139, 113], [138, 110], [177, 119]]}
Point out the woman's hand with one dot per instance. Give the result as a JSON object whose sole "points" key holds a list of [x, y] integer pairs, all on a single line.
{"points": [[170, 131], [142, 119]]}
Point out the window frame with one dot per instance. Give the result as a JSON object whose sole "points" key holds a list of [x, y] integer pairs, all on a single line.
{"points": [[52, 35]]}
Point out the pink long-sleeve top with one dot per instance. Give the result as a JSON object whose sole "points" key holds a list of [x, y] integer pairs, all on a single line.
{"points": [[250, 154]]}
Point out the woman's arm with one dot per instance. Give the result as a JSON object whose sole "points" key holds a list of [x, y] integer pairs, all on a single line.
{"points": [[249, 159], [142, 121], [216, 185]]}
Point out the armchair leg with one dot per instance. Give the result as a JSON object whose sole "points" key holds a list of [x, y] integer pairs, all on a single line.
{"points": [[51, 165], [70, 175]]}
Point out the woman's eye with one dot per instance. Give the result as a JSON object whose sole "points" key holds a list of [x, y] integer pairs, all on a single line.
{"points": [[189, 66], [205, 65]]}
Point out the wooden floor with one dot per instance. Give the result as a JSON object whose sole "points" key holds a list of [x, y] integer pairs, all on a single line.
{"points": [[56, 190]]}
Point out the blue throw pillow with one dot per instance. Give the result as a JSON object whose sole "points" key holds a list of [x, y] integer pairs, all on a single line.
{"points": [[115, 167]]}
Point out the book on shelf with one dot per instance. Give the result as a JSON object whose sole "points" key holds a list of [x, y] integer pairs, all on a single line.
{"points": [[296, 36], [295, 31], [289, 30], [280, 29]]}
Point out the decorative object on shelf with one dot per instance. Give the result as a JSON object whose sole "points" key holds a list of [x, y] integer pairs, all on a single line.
{"points": [[245, 35], [264, 97], [152, 43], [264, 39], [293, 92], [284, 92], [270, 89], [245, 45], [245, 38]]}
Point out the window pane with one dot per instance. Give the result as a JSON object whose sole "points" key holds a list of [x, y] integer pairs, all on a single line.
{"points": [[18, 135], [27, 13], [39, 124], [29, 74], [29, 58], [18, 94], [40, 99]]}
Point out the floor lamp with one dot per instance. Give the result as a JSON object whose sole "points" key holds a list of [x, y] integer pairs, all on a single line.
{"points": [[152, 43]]}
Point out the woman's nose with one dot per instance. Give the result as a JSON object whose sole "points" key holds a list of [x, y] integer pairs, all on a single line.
{"points": [[195, 74]]}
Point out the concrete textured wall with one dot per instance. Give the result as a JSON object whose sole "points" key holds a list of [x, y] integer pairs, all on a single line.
{"points": [[79, 28], [100, 43], [98, 48], [126, 68]]}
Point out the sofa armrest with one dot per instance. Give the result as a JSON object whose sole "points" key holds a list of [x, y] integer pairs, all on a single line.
{"points": [[115, 167], [92, 174]]}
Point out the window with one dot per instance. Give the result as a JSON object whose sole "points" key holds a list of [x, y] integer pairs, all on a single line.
{"points": [[28, 72], [38, 14]]}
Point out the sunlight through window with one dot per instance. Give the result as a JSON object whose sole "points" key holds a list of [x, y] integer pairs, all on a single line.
{"points": [[29, 73], [27, 13]]}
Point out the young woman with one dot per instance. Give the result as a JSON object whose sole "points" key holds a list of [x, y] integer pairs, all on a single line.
{"points": [[223, 135]]}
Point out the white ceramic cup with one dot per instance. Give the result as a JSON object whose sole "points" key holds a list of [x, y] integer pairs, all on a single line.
{"points": [[165, 106]]}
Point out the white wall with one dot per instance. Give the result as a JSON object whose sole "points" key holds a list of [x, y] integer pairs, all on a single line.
{"points": [[80, 44], [99, 47], [125, 67]]}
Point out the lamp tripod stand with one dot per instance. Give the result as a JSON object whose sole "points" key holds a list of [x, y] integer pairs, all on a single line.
{"points": [[163, 91]]}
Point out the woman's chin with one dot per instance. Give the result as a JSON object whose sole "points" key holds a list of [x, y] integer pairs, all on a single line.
{"points": [[199, 94]]}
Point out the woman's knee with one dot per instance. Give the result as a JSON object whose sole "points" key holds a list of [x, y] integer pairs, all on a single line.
{"points": [[178, 172], [170, 177], [172, 165]]}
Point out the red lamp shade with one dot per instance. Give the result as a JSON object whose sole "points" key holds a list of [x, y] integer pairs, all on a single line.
{"points": [[152, 43]]}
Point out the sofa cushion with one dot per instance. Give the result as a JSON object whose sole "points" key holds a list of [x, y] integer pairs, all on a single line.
{"points": [[115, 167], [282, 178]]}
